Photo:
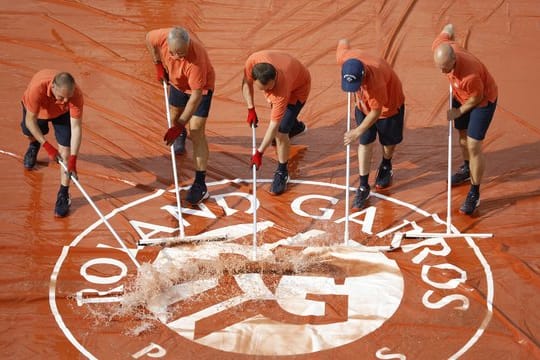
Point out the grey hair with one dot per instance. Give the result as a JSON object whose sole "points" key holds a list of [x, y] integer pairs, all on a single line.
{"points": [[64, 79], [178, 34]]}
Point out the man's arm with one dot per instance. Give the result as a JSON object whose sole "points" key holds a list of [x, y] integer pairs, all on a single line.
{"points": [[269, 136], [470, 104], [354, 134], [193, 103], [247, 92], [153, 50], [76, 135], [32, 125]]}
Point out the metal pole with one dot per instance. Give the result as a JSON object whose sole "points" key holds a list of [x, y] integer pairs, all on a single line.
{"points": [[347, 172], [173, 159], [254, 195], [91, 202]]}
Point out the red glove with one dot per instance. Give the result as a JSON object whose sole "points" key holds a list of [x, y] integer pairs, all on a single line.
{"points": [[252, 119], [161, 73], [256, 159], [72, 166], [173, 133], [54, 155]]}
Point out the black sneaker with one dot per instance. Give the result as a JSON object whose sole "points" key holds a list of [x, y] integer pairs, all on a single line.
{"points": [[471, 203], [279, 185], [63, 202], [300, 129], [197, 193], [384, 176], [180, 143], [362, 194], [462, 175], [31, 155]]}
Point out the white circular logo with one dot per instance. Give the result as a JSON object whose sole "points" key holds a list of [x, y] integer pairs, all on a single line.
{"points": [[302, 289]]}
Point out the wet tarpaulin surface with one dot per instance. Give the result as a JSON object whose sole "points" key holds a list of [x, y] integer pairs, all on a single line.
{"points": [[70, 291]]}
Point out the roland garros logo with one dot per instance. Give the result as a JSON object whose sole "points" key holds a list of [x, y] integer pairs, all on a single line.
{"points": [[306, 292]]}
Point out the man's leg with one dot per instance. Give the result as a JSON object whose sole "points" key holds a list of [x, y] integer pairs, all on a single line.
{"points": [[62, 132], [286, 125], [177, 103], [476, 170], [364, 164], [476, 160], [283, 147], [388, 151], [64, 153], [281, 175], [179, 144], [480, 119], [198, 191], [364, 158], [197, 129], [365, 151], [63, 199], [390, 132], [30, 157]]}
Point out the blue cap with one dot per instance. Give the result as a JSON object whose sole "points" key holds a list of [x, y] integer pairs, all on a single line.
{"points": [[352, 72]]}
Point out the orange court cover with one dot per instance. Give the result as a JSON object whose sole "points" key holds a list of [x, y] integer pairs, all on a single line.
{"points": [[283, 282]]}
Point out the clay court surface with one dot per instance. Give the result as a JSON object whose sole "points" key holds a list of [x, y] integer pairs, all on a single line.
{"points": [[70, 291]]}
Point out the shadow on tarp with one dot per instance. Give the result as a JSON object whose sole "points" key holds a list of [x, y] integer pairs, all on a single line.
{"points": [[420, 160]]}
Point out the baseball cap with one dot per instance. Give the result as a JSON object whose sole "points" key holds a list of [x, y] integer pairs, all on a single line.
{"points": [[352, 72]]}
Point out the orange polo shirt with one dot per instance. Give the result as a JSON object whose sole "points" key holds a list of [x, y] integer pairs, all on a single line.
{"points": [[469, 77], [39, 99], [293, 81], [194, 72], [381, 88]]}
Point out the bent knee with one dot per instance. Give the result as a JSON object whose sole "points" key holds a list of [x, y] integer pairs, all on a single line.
{"points": [[474, 146]]}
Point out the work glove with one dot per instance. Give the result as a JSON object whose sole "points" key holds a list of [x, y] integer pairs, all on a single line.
{"points": [[72, 166], [252, 119], [256, 159], [54, 155], [161, 73], [172, 133]]}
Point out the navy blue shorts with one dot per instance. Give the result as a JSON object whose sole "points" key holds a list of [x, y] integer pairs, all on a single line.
{"points": [[475, 121], [390, 129], [61, 124], [179, 99], [290, 118]]}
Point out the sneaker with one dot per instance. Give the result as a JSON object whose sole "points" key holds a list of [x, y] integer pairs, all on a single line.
{"points": [[279, 185], [362, 194], [462, 175], [31, 155], [180, 143], [63, 202], [300, 129], [384, 176], [471, 203], [197, 193]]}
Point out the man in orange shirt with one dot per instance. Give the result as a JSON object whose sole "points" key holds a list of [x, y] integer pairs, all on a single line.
{"points": [[286, 83], [474, 102], [379, 109], [53, 97], [183, 62]]}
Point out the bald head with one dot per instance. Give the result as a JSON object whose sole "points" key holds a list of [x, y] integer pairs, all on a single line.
{"points": [[64, 79], [63, 86], [178, 42], [444, 58]]}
